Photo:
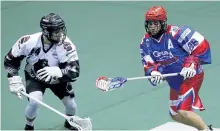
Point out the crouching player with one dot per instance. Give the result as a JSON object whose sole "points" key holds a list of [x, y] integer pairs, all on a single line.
{"points": [[52, 63]]}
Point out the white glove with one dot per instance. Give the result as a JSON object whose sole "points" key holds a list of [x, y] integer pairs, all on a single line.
{"points": [[49, 73], [156, 77], [188, 72], [16, 86]]}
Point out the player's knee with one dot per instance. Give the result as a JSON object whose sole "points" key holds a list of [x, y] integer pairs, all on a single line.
{"points": [[175, 117], [174, 114], [31, 109], [183, 114], [37, 95], [70, 105]]}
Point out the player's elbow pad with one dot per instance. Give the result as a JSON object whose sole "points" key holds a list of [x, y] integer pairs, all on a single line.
{"points": [[71, 76], [203, 52], [70, 72], [12, 65]]}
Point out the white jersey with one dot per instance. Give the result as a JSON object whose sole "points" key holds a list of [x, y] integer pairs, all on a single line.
{"points": [[32, 47]]}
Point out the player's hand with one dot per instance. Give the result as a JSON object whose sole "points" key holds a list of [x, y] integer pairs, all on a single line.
{"points": [[156, 77], [48, 73], [16, 86], [188, 72]]}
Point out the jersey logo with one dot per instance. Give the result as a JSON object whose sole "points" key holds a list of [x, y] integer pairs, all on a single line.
{"points": [[54, 54], [147, 43], [174, 30], [165, 58], [35, 51], [183, 35], [67, 46], [162, 54], [23, 40]]}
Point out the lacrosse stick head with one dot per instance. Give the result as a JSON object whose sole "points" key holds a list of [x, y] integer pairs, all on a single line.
{"points": [[106, 84], [103, 83], [81, 124]]}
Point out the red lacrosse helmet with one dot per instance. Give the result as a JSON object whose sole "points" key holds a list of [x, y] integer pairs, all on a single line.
{"points": [[156, 13]]}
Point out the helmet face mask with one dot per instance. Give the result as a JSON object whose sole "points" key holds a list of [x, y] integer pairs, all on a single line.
{"points": [[53, 28], [58, 35], [154, 27]]}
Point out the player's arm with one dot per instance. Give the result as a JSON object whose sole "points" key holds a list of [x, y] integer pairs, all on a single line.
{"points": [[12, 64], [15, 56], [198, 49], [70, 64], [147, 61], [195, 44], [70, 70], [150, 66]]}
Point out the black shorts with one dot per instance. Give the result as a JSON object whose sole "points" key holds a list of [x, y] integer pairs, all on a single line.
{"points": [[60, 90]]}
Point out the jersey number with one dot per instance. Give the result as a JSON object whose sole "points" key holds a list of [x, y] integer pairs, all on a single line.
{"points": [[192, 43], [67, 46]]}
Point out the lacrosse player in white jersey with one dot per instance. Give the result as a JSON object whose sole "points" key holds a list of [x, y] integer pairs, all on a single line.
{"points": [[51, 62]]}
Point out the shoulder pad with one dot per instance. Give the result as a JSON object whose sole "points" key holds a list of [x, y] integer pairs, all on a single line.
{"points": [[173, 30]]}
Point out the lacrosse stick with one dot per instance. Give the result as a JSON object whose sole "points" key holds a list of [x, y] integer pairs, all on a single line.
{"points": [[75, 121], [109, 84]]}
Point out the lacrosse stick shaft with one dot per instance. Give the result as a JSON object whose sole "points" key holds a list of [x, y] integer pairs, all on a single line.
{"points": [[45, 105], [148, 77]]}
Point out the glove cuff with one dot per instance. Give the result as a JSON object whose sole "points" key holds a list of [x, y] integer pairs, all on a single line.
{"points": [[15, 79], [192, 59], [155, 73]]}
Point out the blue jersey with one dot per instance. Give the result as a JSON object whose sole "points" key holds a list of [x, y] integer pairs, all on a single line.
{"points": [[168, 52]]}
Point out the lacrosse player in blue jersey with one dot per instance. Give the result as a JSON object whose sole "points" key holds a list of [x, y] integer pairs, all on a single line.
{"points": [[177, 53], [168, 49]]}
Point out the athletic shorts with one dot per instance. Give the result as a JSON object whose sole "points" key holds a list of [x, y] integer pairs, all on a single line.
{"points": [[187, 97], [60, 90]]}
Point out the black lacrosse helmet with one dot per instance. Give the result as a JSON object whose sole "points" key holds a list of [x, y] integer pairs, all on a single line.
{"points": [[53, 27]]}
